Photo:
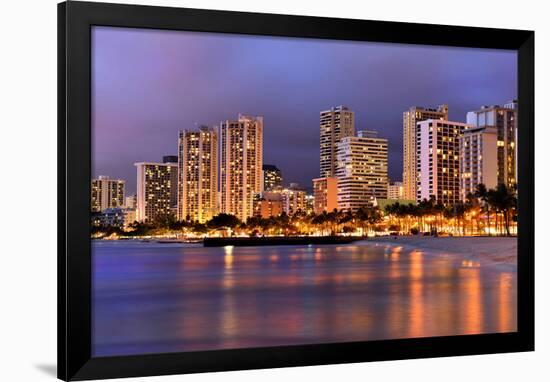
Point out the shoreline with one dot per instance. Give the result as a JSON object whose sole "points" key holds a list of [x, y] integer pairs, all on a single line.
{"points": [[495, 251], [481, 250]]}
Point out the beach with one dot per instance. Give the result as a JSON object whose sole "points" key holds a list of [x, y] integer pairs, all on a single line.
{"points": [[484, 250]]}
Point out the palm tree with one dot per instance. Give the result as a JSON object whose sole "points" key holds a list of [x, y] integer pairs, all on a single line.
{"points": [[368, 217], [361, 215], [321, 220], [299, 221], [472, 206], [374, 217], [416, 214], [459, 210], [503, 201], [283, 223], [402, 211], [482, 194], [254, 225], [344, 219], [426, 207]]}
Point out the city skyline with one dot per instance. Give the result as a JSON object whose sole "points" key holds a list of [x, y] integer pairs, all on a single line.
{"points": [[141, 124]]}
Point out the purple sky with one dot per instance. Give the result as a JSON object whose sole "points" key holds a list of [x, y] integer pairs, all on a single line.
{"points": [[149, 84]]}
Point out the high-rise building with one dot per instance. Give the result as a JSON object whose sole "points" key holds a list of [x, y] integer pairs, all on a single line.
{"points": [[272, 178], [411, 118], [504, 120], [325, 195], [362, 170], [107, 193], [170, 159], [294, 199], [395, 190], [478, 159], [335, 124], [310, 203], [438, 161], [173, 159], [130, 202], [197, 174], [241, 156], [156, 189]]}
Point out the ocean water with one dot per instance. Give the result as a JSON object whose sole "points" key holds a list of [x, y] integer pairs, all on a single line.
{"points": [[158, 298]]}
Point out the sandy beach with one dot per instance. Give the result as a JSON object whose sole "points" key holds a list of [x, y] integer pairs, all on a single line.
{"points": [[485, 250]]}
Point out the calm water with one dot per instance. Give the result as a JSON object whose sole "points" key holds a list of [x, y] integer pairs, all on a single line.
{"points": [[151, 298]]}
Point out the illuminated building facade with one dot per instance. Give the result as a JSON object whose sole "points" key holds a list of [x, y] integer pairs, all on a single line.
{"points": [[130, 202], [197, 174], [272, 178], [268, 204], [395, 190], [411, 118], [478, 159], [156, 189], [438, 163], [362, 170], [325, 195], [114, 217], [294, 199], [107, 193], [241, 155], [335, 124], [310, 203], [504, 120]]}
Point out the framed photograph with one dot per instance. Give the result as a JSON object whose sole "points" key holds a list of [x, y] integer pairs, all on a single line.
{"points": [[241, 190]]}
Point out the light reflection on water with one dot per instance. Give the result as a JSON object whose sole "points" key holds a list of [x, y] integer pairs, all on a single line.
{"points": [[151, 298]]}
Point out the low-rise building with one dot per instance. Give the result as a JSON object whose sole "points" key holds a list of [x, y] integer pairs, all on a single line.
{"points": [[268, 204], [325, 194], [395, 190], [294, 199], [110, 217]]}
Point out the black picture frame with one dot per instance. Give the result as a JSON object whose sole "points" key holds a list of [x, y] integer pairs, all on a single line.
{"points": [[75, 20]]}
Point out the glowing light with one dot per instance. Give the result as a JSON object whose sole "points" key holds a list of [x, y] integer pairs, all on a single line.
{"points": [[228, 258]]}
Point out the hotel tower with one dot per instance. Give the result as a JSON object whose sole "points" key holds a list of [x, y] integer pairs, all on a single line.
{"points": [[107, 193], [272, 178], [294, 199], [438, 161], [197, 174], [494, 131], [478, 159], [411, 118], [156, 188], [335, 124], [362, 170], [241, 157]]}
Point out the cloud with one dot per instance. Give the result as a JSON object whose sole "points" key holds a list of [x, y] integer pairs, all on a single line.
{"points": [[149, 84]]}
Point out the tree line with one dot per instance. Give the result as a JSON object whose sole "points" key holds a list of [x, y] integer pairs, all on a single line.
{"points": [[484, 212]]}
